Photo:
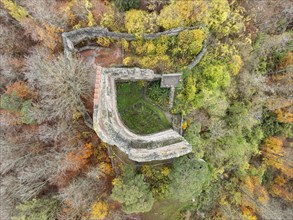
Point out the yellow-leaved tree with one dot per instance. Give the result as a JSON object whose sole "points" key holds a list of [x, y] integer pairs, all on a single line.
{"points": [[138, 22], [99, 210], [18, 12], [183, 13]]}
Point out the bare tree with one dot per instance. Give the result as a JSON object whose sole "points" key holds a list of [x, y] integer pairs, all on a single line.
{"points": [[61, 83], [6, 72], [32, 164], [82, 192], [7, 201], [45, 11]]}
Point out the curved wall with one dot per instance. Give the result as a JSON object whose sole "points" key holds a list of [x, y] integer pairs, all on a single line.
{"points": [[109, 127]]}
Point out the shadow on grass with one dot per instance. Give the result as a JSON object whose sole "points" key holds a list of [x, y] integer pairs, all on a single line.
{"points": [[164, 210]]}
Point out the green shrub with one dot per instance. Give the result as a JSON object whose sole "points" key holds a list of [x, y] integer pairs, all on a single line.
{"points": [[10, 102], [124, 5], [25, 112], [132, 192], [37, 209], [16, 104]]}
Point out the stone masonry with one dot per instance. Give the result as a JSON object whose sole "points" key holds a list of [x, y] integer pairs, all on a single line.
{"points": [[109, 127], [106, 121]]}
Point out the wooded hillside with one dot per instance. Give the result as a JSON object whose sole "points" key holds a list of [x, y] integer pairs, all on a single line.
{"points": [[236, 105]]}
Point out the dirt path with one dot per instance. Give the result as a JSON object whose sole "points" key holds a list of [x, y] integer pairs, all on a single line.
{"points": [[103, 56]]}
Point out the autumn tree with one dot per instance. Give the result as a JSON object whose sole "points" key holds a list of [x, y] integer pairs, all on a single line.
{"points": [[219, 13], [113, 19], [254, 194], [274, 155], [99, 210], [79, 13], [284, 116], [81, 194], [286, 61], [139, 22], [182, 13], [281, 188], [80, 157], [235, 64], [21, 90], [18, 12], [189, 44], [158, 178]]}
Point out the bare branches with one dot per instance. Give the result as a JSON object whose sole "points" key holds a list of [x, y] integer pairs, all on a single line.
{"points": [[82, 192], [45, 11], [61, 84]]}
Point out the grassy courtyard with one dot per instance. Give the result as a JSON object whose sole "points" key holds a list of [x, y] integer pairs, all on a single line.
{"points": [[158, 95], [139, 115]]}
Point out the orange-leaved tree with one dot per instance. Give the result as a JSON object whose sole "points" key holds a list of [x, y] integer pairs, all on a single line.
{"points": [[80, 157]]}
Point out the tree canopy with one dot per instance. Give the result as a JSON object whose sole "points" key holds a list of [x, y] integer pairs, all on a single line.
{"points": [[189, 177], [133, 192]]}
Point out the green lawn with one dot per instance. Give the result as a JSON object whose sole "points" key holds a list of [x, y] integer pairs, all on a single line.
{"points": [[137, 114]]}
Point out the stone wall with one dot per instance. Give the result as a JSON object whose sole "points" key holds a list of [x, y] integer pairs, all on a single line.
{"points": [[72, 38], [106, 121], [109, 127]]}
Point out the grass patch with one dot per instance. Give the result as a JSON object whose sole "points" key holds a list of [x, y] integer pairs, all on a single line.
{"points": [[165, 209], [158, 95], [137, 114]]}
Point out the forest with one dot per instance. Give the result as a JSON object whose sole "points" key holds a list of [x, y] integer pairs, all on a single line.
{"points": [[236, 106]]}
